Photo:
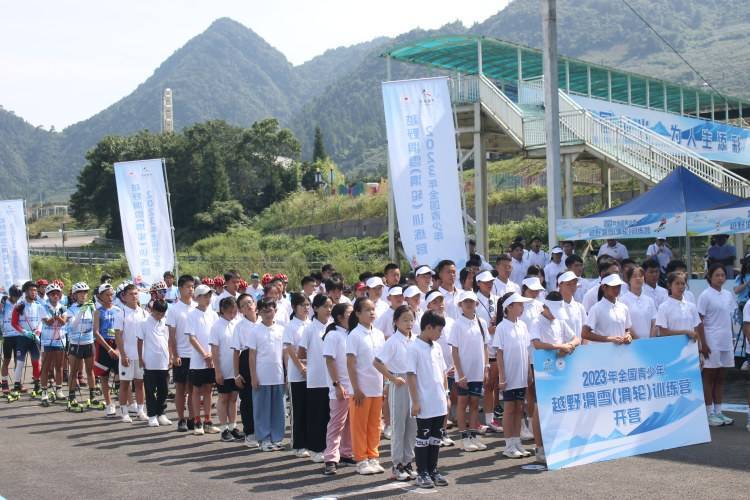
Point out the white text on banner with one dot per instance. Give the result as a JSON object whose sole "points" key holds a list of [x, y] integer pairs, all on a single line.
{"points": [[14, 245], [144, 212], [423, 170]]}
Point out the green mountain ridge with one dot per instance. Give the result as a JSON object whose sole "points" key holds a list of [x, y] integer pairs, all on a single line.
{"points": [[228, 72]]}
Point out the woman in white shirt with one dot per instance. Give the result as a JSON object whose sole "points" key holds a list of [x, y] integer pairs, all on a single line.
{"points": [[316, 403], [608, 319], [641, 307], [715, 306], [297, 371], [677, 315]]}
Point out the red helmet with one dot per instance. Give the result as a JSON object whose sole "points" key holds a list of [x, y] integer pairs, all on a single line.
{"points": [[243, 284], [59, 283], [208, 281], [266, 279], [218, 281], [283, 277], [42, 282]]}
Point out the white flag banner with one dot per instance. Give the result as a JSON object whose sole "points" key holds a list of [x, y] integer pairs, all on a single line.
{"points": [[14, 244], [144, 212], [423, 170]]}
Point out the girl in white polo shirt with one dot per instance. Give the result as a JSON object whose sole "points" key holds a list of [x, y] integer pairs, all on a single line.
{"points": [[316, 404], [297, 371], [435, 302], [391, 362], [198, 328], [221, 342], [641, 306], [487, 303], [362, 345], [512, 343], [608, 319], [715, 306]]}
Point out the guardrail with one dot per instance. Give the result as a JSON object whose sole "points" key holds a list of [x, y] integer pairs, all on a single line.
{"points": [[73, 233]]}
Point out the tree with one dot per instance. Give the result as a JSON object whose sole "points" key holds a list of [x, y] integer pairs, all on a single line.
{"points": [[319, 151]]}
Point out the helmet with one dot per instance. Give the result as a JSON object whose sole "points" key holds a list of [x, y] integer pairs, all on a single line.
{"points": [[59, 283], [266, 279], [208, 281], [159, 285], [42, 282], [15, 291], [121, 287], [283, 277], [243, 284], [53, 287], [80, 287], [218, 281]]}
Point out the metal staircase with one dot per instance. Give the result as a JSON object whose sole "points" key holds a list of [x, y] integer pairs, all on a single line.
{"points": [[620, 141]]}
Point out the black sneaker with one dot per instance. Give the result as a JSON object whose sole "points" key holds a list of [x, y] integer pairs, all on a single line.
{"points": [[237, 435], [343, 461], [330, 469], [438, 479], [182, 425], [190, 424], [226, 436]]}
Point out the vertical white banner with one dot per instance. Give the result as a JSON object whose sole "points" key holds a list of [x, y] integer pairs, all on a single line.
{"points": [[423, 170], [144, 212], [14, 244]]}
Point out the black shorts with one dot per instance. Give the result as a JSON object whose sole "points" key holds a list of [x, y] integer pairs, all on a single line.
{"points": [[81, 351], [9, 346], [181, 374], [515, 394], [104, 363], [203, 376], [227, 387], [473, 389]]}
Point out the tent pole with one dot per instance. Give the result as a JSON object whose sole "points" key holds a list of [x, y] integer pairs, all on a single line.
{"points": [[688, 256]]}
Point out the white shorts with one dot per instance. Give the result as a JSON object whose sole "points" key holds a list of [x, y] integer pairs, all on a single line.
{"points": [[132, 372], [719, 359]]}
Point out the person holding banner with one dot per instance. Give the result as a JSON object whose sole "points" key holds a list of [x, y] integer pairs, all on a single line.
{"points": [[609, 319], [677, 315], [715, 306]]}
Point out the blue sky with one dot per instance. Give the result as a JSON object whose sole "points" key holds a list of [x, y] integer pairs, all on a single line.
{"points": [[65, 61]]}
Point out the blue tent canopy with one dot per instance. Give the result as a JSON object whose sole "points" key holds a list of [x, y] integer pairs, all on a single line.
{"points": [[680, 191]]}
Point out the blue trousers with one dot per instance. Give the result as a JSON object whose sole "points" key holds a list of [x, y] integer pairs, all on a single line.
{"points": [[268, 413]]}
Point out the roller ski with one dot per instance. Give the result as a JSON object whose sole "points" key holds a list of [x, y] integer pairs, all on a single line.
{"points": [[13, 396], [75, 407], [46, 399], [37, 391], [95, 404]]}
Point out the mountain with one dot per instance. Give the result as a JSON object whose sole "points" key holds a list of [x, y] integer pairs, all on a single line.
{"points": [[229, 72]]}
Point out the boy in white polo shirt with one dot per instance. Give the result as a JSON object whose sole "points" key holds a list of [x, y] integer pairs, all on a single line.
{"points": [[221, 342], [181, 349], [153, 358], [198, 329], [127, 344], [428, 388]]}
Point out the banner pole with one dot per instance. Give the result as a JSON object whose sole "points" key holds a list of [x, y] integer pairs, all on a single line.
{"points": [[28, 246], [171, 221]]}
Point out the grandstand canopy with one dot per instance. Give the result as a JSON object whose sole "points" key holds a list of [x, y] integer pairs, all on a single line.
{"points": [[503, 60]]}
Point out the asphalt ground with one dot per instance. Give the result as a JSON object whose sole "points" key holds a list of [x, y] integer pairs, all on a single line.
{"points": [[51, 453]]}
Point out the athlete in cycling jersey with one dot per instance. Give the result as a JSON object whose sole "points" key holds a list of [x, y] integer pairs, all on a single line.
{"points": [[108, 320], [53, 341], [27, 321]]}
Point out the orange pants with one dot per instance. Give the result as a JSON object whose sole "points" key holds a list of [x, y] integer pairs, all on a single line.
{"points": [[364, 422]]}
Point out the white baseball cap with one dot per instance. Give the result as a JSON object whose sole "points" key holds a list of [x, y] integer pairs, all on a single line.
{"points": [[566, 276], [201, 290], [432, 295], [466, 295], [613, 280], [412, 291], [485, 276], [516, 297], [556, 250], [533, 284], [374, 282], [396, 290], [423, 269]]}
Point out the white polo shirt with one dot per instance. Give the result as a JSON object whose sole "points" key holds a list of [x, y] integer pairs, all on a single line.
{"points": [[243, 330], [267, 342], [552, 332], [334, 347], [608, 319], [222, 336], [176, 317], [468, 339], [312, 341], [381, 306], [519, 269], [425, 360], [618, 251], [393, 353], [716, 308], [218, 298], [512, 338], [364, 345], [155, 337], [132, 319], [199, 325], [551, 271], [676, 314], [451, 308], [445, 343], [658, 294], [292, 336], [537, 258], [500, 288], [642, 313], [487, 310], [384, 322], [575, 316]]}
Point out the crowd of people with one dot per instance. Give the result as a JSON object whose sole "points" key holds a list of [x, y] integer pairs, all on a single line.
{"points": [[407, 358]]}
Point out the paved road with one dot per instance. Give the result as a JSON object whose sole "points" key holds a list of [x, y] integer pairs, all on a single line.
{"points": [[56, 242], [50, 453]]}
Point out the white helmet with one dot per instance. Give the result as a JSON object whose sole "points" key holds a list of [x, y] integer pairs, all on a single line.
{"points": [[53, 287], [159, 285], [80, 287]]}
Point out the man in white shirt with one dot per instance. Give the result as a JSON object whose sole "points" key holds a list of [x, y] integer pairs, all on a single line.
{"points": [[503, 283], [172, 294], [651, 273], [181, 350], [555, 267], [519, 261], [614, 249], [231, 288], [446, 271], [660, 251], [569, 249], [537, 256]]}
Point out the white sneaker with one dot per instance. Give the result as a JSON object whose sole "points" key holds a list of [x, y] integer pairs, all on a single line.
{"points": [[364, 468], [526, 434], [142, 416], [250, 441], [59, 394], [302, 453], [375, 465], [447, 441], [478, 443], [523, 451], [387, 432], [126, 419], [512, 452], [110, 411], [715, 421], [163, 420], [540, 456], [725, 419], [153, 422], [468, 444], [745, 366], [317, 458]]}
